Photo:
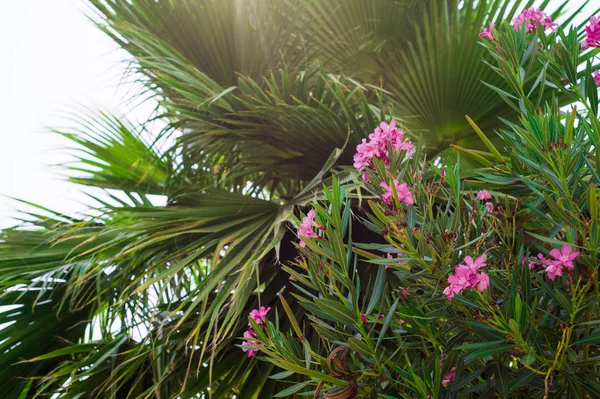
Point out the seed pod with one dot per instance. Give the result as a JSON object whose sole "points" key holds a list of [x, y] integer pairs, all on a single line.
{"points": [[348, 392], [337, 361]]}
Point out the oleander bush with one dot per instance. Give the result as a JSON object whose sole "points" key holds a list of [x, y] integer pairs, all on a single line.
{"points": [[474, 283]]}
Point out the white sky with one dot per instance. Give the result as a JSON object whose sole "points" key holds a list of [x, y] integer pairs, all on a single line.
{"points": [[52, 61]]}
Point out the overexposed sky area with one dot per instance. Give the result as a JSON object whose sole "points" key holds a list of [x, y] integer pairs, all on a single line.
{"points": [[54, 62]]}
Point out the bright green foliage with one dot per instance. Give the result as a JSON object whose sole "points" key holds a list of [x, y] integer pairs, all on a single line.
{"points": [[263, 104], [386, 326]]}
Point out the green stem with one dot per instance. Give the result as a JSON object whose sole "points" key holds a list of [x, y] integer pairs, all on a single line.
{"points": [[596, 283]]}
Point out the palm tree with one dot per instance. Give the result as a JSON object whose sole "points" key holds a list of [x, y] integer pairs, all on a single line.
{"points": [[262, 101]]}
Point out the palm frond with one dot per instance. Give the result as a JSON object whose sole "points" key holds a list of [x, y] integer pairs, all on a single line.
{"points": [[438, 78], [112, 154], [221, 38]]}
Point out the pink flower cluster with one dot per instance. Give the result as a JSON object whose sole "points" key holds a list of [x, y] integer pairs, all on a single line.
{"points": [[483, 195], [596, 76], [487, 32], [404, 194], [377, 147], [259, 316], [249, 335], [305, 229], [593, 34], [563, 260], [466, 276], [531, 17]]}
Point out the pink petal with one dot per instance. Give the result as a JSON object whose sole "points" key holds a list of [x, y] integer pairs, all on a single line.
{"points": [[555, 253]]}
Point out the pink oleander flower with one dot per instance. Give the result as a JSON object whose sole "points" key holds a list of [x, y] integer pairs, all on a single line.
{"points": [[449, 377], [260, 315], [564, 257], [483, 195], [548, 23], [596, 76], [489, 207], [542, 262], [377, 147], [592, 31], [460, 280], [404, 194], [466, 276], [553, 270], [475, 264], [532, 264], [532, 17], [250, 351], [487, 32], [305, 229], [461, 277], [363, 318], [249, 335], [481, 281], [451, 291], [363, 159]]}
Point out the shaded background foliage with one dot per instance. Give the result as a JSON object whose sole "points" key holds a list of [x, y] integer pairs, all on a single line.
{"points": [[262, 101]]}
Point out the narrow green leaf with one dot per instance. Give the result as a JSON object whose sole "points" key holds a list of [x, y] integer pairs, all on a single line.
{"points": [[490, 351], [386, 323], [336, 310], [528, 359], [484, 139], [281, 375], [358, 345], [290, 315], [377, 290], [593, 338], [291, 390], [593, 201]]}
